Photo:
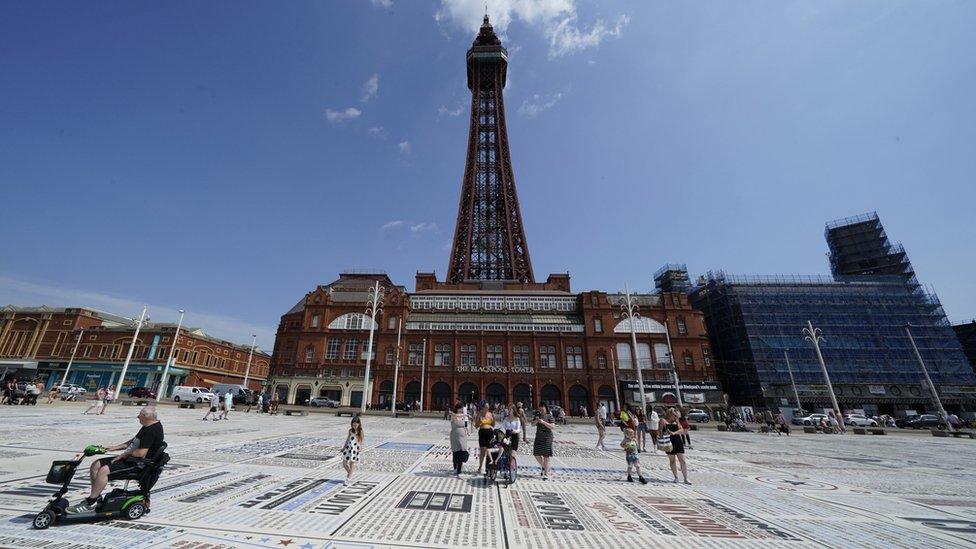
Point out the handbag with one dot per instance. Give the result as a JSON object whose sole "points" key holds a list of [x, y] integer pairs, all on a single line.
{"points": [[664, 445]]}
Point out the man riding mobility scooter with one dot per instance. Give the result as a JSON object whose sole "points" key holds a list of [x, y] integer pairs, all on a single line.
{"points": [[119, 503]]}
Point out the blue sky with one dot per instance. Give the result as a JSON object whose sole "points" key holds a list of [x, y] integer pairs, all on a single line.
{"points": [[226, 158]]}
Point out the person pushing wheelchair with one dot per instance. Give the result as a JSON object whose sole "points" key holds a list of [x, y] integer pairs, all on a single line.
{"points": [[146, 442]]}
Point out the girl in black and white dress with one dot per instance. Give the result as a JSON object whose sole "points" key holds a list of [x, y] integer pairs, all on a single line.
{"points": [[352, 448], [672, 427]]}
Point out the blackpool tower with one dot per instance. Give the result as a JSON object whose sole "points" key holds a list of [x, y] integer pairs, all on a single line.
{"points": [[489, 238]]}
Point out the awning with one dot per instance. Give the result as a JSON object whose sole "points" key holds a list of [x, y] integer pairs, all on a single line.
{"points": [[19, 364], [210, 381]]}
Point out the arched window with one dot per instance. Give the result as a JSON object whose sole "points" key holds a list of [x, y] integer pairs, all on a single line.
{"points": [[642, 325], [352, 321]]}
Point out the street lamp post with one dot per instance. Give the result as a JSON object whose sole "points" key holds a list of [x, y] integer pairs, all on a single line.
{"points": [[374, 304], [423, 372], [629, 308], [789, 369], [613, 370], [170, 360], [396, 369], [132, 347], [674, 368], [72, 359], [938, 402], [815, 336], [247, 371]]}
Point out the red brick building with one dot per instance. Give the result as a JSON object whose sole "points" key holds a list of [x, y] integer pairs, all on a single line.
{"points": [[37, 342]]}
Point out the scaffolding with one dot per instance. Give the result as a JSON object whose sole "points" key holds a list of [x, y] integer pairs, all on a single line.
{"points": [[672, 277]]}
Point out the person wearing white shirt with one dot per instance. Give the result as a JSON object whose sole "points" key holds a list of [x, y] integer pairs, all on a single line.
{"points": [[512, 426], [228, 404]]}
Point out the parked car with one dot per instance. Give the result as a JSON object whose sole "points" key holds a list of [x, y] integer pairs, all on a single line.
{"points": [[700, 416], [924, 421], [72, 388], [858, 420], [813, 419], [142, 392], [191, 394], [323, 402]]}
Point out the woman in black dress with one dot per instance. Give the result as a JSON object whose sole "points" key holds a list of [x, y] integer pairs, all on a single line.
{"points": [[542, 448], [677, 453]]}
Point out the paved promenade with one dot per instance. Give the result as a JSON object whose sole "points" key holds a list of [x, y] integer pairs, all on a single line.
{"points": [[262, 481]]}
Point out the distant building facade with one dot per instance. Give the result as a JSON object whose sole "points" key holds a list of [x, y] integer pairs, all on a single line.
{"points": [[37, 342], [755, 325], [966, 333]]}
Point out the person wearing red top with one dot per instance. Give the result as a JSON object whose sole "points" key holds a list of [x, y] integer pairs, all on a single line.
{"points": [[685, 435]]}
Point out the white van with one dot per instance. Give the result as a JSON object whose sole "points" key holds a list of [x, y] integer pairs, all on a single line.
{"points": [[183, 393]]}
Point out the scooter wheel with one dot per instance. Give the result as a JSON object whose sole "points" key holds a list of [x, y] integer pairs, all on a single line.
{"points": [[135, 511], [43, 519]]}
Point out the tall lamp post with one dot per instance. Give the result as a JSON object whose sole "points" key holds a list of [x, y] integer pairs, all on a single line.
{"points": [[374, 304], [247, 371], [789, 369], [396, 369], [423, 372], [613, 370], [170, 360], [938, 402], [72, 359], [132, 347], [674, 368], [629, 309], [815, 336]]}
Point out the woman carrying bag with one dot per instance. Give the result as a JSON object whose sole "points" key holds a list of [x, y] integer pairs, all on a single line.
{"points": [[459, 437]]}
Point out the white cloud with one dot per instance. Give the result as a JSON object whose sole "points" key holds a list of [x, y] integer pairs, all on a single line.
{"points": [[370, 88], [423, 227], [444, 111], [389, 225], [378, 132], [338, 117], [28, 294], [404, 147], [532, 107], [557, 19], [385, 4]]}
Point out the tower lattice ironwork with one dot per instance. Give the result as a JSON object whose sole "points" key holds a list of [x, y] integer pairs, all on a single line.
{"points": [[489, 238]]}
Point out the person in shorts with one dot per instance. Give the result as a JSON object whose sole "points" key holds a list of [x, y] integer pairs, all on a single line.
{"points": [[145, 444], [632, 455], [214, 403]]}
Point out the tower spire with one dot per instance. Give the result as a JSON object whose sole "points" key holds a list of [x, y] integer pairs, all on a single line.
{"points": [[489, 238]]}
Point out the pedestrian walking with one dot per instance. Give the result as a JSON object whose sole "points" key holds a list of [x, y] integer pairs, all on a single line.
{"points": [[601, 430], [353, 447], [109, 398], [228, 404], [459, 437], [632, 455], [676, 455], [52, 395], [641, 432], [97, 401], [542, 449], [486, 432], [654, 426], [214, 403], [523, 421], [685, 430]]}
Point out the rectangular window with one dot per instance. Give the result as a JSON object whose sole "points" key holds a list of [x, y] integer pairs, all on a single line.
{"points": [[391, 323], [574, 357], [624, 359], [601, 360], [309, 354], [442, 354], [644, 356], [682, 327], [661, 355], [707, 357], [597, 325], [469, 355], [315, 321], [332, 351], [494, 357], [521, 355], [389, 356], [689, 361], [415, 355], [547, 356], [349, 352]]}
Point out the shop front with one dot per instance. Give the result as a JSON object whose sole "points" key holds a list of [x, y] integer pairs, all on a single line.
{"points": [[92, 375]]}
